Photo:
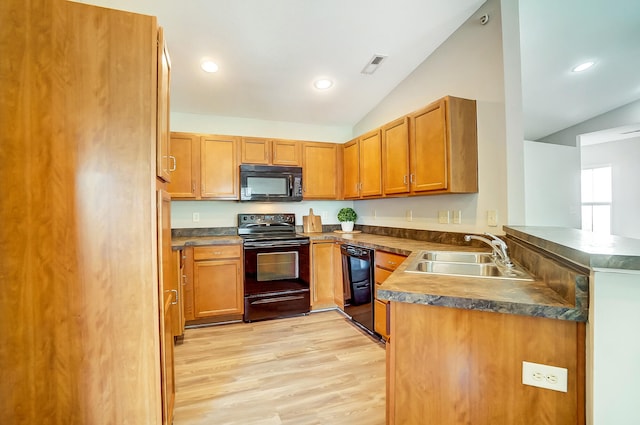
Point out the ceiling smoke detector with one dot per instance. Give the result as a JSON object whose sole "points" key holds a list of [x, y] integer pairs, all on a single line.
{"points": [[373, 64]]}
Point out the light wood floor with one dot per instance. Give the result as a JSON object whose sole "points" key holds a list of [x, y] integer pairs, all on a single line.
{"points": [[309, 370]]}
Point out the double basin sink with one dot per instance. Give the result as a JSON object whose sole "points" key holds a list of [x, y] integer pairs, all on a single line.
{"points": [[472, 264]]}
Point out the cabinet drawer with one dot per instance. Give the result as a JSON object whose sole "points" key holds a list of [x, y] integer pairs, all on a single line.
{"points": [[214, 252], [388, 261], [382, 275]]}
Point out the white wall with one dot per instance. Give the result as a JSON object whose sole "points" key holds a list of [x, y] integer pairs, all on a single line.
{"points": [[623, 158], [469, 64], [552, 185], [224, 213], [236, 126], [613, 369]]}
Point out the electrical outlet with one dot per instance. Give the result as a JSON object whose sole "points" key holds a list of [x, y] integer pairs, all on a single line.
{"points": [[196, 217], [443, 217], [492, 218], [457, 216], [544, 376], [324, 216], [408, 215]]}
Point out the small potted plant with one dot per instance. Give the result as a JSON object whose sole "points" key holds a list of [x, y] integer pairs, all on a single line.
{"points": [[347, 217]]}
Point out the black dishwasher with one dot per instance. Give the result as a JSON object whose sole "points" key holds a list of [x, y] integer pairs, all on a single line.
{"points": [[358, 284]]}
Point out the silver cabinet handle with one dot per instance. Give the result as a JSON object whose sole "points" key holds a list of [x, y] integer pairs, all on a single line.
{"points": [[176, 292], [411, 178], [175, 163], [404, 179]]}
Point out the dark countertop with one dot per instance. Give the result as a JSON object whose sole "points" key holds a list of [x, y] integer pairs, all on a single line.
{"points": [[532, 298], [581, 247]]}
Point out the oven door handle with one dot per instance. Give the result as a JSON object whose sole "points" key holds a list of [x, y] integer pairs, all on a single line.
{"points": [[271, 244], [277, 300]]}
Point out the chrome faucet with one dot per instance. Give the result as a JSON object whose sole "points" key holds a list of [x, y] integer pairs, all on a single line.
{"points": [[498, 246]]}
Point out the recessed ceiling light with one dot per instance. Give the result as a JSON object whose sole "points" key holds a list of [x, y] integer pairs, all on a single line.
{"points": [[583, 66], [209, 66], [322, 84]]}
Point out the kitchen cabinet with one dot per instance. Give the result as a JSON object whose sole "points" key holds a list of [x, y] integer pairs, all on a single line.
{"points": [[218, 281], [395, 157], [322, 266], [370, 164], [80, 314], [363, 166], [185, 174], [338, 285], [219, 173], [164, 162], [321, 174], [256, 150], [458, 366], [386, 263], [178, 279], [187, 285], [351, 179], [443, 147], [168, 295]]}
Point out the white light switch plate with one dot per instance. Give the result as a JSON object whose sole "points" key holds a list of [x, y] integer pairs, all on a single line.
{"points": [[492, 218]]}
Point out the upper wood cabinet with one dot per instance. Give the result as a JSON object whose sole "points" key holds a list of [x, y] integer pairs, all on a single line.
{"points": [[444, 147], [351, 169], [432, 150], [164, 163], [370, 164], [363, 166], [395, 157], [255, 150], [219, 173], [185, 175], [320, 171]]}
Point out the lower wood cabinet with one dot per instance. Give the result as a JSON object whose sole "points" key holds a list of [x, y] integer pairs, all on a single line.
{"points": [[456, 366], [386, 263], [218, 281], [322, 274]]}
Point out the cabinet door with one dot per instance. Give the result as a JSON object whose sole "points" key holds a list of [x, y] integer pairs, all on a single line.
{"points": [[395, 157], [177, 282], [351, 188], [286, 152], [320, 170], [168, 297], [218, 288], [338, 286], [370, 164], [164, 164], [322, 277], [219, 167], [185, 155], [429, 148], [187, 285], [255, 150]]}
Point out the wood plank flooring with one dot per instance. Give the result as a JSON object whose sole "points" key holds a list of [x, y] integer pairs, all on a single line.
{"points": [[308, 370]]}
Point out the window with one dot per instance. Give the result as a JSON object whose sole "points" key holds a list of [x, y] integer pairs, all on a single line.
{"points": [[596, 200]]}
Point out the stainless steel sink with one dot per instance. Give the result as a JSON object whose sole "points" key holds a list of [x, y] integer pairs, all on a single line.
{"points": [[457, 257], [470, 264]]}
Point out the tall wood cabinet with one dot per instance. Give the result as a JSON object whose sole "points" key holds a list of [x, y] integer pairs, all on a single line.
{"points": [[322, 268], [80, 306]]}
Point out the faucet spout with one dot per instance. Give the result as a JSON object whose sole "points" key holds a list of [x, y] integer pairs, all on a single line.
{"points": [[498, 246]]}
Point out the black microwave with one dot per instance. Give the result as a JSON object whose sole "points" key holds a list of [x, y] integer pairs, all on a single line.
{"points": [[268, 183]]}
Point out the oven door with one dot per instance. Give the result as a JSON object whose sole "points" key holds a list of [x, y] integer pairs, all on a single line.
{"points": [[276, 280]]}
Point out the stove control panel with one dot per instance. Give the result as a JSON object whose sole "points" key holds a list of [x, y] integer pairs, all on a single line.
{"points": [[266, 219]]}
